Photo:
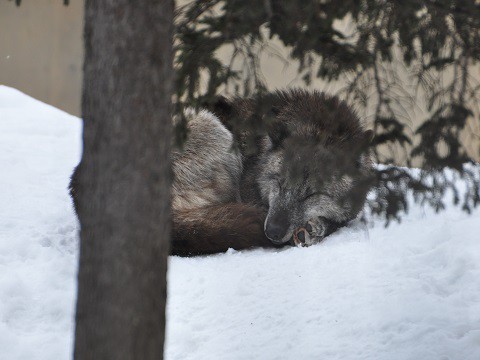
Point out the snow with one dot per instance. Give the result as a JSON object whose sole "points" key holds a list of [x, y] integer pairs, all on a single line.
{"points": [[39, 145], [409, 291]]}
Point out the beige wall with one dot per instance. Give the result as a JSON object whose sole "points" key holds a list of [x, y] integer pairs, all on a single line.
{"points": [[41, 50]]}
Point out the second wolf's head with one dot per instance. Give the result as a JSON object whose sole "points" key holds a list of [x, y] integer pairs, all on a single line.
{"points": [[306, 161]]}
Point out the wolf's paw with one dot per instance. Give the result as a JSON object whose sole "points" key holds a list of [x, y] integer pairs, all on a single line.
{"points": [[312, 233]]}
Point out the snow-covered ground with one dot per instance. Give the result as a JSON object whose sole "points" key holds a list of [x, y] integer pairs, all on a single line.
{"points": [[409, 291]]}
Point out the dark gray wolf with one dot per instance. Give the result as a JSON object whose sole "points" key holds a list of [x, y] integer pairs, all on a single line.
{"points": [[256, 171], [288, 167]]}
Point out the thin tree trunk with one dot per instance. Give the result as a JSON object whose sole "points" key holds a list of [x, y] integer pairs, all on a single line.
{"points": [[124, 180]]}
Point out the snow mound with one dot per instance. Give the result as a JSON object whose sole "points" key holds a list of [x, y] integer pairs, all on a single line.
{"points": [[409, 291], [39, 146]]}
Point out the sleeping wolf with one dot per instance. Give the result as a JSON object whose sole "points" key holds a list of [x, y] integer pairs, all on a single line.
{"points": [[288, 167], [262, 169]]}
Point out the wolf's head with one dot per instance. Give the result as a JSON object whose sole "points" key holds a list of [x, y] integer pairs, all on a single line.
{"points": [[303, 182], [312, 163]]}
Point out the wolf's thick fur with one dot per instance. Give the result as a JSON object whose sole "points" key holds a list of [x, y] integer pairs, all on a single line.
{"points": [[289, 159], [254, 170]]}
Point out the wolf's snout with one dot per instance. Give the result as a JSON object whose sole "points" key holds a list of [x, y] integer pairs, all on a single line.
{"points": [[277, 226]]}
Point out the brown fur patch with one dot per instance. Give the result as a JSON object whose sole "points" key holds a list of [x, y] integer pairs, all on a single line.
{"points": [[217, 228]]}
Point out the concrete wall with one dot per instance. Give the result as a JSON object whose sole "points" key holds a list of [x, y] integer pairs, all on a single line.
{"points": [[41, 50]]}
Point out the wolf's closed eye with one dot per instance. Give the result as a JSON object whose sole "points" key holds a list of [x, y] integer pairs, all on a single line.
{"points": [[316, 193]]}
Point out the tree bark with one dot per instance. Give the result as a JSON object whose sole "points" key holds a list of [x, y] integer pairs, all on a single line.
{"points": [[124, 180]]}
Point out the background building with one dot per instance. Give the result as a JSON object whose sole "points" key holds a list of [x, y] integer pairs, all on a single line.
{"points": [[41, 50]]}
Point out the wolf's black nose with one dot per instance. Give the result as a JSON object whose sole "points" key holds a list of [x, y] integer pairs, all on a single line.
{"points": [[277, 227], [275, 232]]}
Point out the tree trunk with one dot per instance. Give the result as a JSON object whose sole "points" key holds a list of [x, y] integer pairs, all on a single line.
{"points": [[124, 180]]}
